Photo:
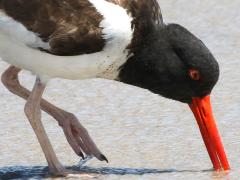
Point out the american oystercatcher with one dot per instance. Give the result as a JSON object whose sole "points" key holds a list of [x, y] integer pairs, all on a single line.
{"points": [[122, 40]]}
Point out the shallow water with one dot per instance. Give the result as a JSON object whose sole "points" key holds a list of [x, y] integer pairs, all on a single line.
{"points": [[143, 135]]}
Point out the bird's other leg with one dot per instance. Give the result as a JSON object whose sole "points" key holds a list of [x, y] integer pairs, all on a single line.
{"points": [[77, 136], [33, 113]]}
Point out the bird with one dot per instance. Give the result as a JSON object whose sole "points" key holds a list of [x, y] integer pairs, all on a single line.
{"points": [[121, 40]]}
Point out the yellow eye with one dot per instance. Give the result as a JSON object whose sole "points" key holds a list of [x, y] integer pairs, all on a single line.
{"points": [[194, 74]]}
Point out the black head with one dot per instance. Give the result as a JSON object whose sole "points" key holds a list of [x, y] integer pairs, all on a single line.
{"points": [[173, 63]]}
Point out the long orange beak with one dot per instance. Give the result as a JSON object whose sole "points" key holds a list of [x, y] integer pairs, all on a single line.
{"points": [[202, 110]]}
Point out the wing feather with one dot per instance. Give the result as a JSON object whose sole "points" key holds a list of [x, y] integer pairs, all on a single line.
{"points": [[71, 27]]}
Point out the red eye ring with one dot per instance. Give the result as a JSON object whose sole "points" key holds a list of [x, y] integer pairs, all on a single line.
{"points": [[194, 74]]}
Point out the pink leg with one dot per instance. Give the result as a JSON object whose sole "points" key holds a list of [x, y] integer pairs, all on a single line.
{"points": [[33, 113], [75, 133]]}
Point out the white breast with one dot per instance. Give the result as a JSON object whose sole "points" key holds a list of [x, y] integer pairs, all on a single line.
{"points": [[16, 47]]}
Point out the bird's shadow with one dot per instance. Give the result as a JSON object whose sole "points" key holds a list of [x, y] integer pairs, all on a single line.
{"points": [[40, 172]]}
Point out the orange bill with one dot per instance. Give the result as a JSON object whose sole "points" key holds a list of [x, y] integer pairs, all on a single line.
{"points": [[202, 110]]}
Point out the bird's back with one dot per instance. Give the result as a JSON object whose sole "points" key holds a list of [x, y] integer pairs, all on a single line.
{"points": [[71, 27], [96, 35]]}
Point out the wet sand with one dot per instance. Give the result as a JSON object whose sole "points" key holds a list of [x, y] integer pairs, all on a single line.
{"points": [[138, 131]]}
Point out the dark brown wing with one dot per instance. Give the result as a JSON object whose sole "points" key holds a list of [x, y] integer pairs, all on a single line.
{"points": [[70, 26]]}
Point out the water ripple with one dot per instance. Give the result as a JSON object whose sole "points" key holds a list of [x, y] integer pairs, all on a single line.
{"points": [[39, 172]]}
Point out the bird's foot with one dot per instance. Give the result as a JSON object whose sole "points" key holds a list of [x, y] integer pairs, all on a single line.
{"points": [[68, 173], [57, 170], [78, 137]]}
